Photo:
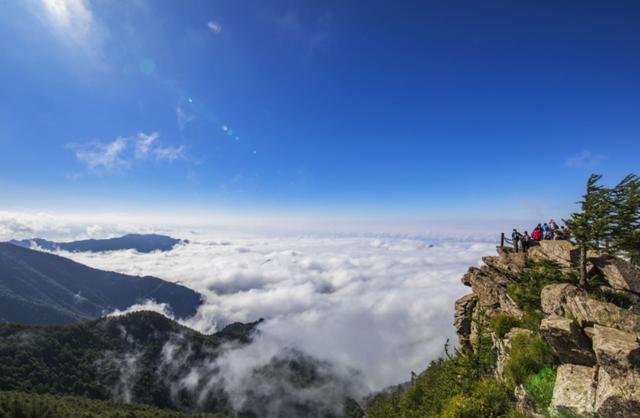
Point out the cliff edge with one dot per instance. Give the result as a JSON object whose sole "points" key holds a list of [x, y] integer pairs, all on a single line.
{"points": [[532, 301]]}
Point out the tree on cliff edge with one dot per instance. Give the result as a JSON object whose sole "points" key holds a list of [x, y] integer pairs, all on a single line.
{"points": [[625, 228], [591, 227]]}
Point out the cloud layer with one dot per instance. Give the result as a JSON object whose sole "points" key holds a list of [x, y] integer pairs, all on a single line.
{"points": [[381, 306]]}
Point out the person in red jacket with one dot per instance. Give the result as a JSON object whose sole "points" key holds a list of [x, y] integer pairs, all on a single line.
{"points": [[536, 234]]}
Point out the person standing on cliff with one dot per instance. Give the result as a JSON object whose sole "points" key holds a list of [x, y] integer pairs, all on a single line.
{"points": [[525, 241], [515, 237]]}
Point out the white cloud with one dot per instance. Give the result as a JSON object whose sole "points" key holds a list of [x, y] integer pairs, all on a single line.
{"points": [[169, 153], [214, 27], [144, 143], [382, 306], [123, 152], [584, 159], [107, 156]]}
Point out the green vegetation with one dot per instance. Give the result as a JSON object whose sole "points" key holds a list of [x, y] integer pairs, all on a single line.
{"points": [[488, 398], [459, 384], [540, 386], [526, 288], [528, 355], [111, 358], [25, 405], [502, 323], [464, 384]]}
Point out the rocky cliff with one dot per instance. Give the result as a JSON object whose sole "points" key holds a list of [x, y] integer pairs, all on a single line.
{"points": [[594, 332]]}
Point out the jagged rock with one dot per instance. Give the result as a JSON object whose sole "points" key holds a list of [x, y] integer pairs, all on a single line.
{"points": [[553, 297], [563, 252], [618, 352], [464, 318], [507, 261], [618, 397], [524, 403], [568, 340], [619, 273], [569, 301], [625, 294], [574, 391], [618, 355], [591, 311], [490, 286], [503, 349]]}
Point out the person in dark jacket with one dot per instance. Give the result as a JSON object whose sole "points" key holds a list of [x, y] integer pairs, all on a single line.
{"points": [[525, 241]]}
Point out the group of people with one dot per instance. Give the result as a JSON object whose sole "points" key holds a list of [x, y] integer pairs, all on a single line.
{"points": [[546, 231]]}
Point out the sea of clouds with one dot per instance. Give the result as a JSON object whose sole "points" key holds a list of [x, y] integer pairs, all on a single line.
{"points": [[381, 306]]}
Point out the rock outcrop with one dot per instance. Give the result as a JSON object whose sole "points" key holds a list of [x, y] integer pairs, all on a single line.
{"points": [[596, 341], [619, 274], [574, 392], [568, 340]]}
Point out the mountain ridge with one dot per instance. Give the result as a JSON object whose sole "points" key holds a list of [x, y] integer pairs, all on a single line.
{"points": [[143, 243], [41, 288]]}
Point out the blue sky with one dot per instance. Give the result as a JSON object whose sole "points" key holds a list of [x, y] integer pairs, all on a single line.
{"points": [[428, 108]]}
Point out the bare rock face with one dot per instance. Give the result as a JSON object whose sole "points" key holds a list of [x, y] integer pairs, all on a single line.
{"points": [[617, 397], [575, 391], [619, 273], [507, 261], [587, 311], [563, 252], [568, 340], [490, 287], [617, 351], [464, 318], [618, 354], [569, 301], [553, 298]]}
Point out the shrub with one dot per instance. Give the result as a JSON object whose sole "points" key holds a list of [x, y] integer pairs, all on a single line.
{"points": [[502, 323], [540, 387], [531, 319], [525, 291], [488, 398], [459, 406], [528, 355]]}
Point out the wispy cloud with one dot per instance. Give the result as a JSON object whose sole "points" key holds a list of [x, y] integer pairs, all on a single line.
{"points": [[144, 143], [584, 159], [124, 152], [169, 153], [214, 27], [107, 156]]}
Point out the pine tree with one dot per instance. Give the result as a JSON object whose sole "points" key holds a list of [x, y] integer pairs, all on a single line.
{"points": [[626, 219], [591, 227]]}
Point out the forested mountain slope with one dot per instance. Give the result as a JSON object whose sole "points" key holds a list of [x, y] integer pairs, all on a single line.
{"points": [[42, 288]]}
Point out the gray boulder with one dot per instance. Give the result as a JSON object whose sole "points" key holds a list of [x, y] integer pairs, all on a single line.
{"points": [[569, 342], [561, 251], [569, 301], [618, 354], [575, 391], [619, 273], [618, 397]]}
